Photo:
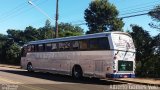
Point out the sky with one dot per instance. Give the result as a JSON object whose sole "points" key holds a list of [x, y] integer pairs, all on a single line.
{"points": [[18, 14]]}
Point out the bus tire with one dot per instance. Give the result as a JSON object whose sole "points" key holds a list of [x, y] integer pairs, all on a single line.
{"points": [[30, 67], [77, 72]]}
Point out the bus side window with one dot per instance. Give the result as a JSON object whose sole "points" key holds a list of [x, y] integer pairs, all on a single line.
{"points": [[40, 48], [48, 47], [104, 43], [83, 44], [29, 48], [36, 48], [54, 47], [93, 44], [61, 46], [32, 48], [67, 46], [75, 45]]}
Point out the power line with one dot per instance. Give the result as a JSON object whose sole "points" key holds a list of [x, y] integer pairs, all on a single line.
{"points": [[12, 13], [144, 5], [137, 10], [17, 8], [135, 15], [140, 11], [19, 12], [39, 9]]}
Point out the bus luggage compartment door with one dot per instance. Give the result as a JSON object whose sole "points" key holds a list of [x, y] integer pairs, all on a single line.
{"points": [[99, 67]]}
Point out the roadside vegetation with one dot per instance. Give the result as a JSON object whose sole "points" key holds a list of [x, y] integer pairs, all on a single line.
{"points": [[11, 44], [101, 16]]}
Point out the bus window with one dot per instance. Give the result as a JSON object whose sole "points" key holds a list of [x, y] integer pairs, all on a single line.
{"points": [[94, 44], [75, 45], [48, 47], [104, 43], [64, 46], [54, 47], [40, 48], [32, 48], [67, 46], [125, 65], [83, 44], [99, 44], [29, 48], [36, 48], [61, 46]]}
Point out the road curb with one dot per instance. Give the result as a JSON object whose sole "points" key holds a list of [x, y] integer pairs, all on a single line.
{"points": [[10, 66], [139, 83]]}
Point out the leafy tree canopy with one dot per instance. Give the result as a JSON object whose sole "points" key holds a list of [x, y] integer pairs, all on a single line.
{"points": [[147, 52], [142, 40], [155, 14], [67, 29], [47, 31], [10, 45], [102, 16]]}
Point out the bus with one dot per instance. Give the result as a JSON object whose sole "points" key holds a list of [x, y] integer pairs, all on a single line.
{"points": [[100, 55]]}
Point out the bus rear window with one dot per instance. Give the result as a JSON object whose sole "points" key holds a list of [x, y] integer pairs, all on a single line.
{"points": [[125, 65]]}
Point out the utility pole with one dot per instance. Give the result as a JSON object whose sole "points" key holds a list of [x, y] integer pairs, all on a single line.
{"points": [[56, 23]]}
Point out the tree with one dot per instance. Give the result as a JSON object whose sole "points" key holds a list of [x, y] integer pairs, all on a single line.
{"points": [[31, 34], [144, 48], [3, 39], [66, 29], [156, 43], [17, 35], [12, 53], [155, 14], [102, 16], [11, 44], [47, 31], [156, 57]]}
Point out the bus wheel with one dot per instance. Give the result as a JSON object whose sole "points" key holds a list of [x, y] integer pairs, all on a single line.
{"points": [[29, 67], [77, 72]]}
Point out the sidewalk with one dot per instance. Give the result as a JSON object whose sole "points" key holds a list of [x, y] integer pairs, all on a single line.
{"points": [[146, 81], [10, 66]]}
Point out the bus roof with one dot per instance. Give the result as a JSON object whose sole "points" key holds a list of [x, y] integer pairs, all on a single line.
{"points": [[72, 38]]}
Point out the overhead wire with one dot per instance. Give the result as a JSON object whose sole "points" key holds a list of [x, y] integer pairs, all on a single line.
{"points": [[133, 12], [142, 8], [19, 8], [140, 11], [19, 11], [139, 6], [16, 9]]}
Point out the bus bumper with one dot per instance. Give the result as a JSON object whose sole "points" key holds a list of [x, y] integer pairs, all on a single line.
{"points": [[120, 75]]}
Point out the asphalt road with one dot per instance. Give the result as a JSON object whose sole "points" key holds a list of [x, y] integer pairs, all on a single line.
{"points": [[17, 79]]}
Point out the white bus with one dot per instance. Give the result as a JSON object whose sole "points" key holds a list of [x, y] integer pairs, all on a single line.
{"points": [[101, 55]]}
